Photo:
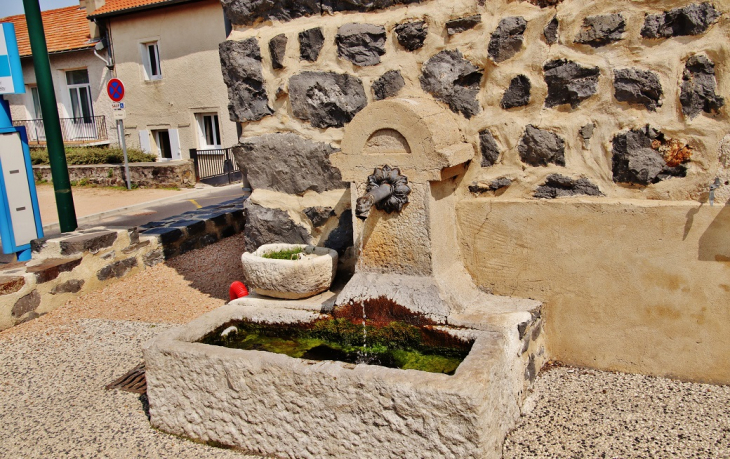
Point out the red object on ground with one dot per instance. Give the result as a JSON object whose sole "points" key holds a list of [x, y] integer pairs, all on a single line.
{"points": [[237, 290]]}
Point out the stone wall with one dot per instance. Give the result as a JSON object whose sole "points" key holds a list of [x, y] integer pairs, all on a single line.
{"points": [[170, 174], [621, 102]]}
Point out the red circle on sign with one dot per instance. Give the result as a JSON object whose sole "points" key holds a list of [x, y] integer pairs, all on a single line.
{"points": [[115, 89]]}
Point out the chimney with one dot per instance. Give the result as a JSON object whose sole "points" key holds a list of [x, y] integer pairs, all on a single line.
{"points": [[91, 6]]}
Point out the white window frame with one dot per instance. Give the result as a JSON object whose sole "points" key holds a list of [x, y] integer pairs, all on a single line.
{"points": [[78, 88], [150, 58], [203, 134]]}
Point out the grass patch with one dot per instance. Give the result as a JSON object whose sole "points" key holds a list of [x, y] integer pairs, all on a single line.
{"points": [[286, 254], [93, 155]]}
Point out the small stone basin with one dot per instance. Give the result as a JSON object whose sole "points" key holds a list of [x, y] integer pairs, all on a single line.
{"points": [[312, 272]]}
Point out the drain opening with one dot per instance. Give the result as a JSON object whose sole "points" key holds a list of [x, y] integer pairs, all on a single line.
{"points": [[134, 381]]}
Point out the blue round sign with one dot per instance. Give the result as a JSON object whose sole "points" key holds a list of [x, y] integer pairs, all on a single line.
{"points": [[115, 89]]}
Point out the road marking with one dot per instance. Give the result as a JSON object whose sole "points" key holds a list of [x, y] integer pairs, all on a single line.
{"points": [[195, 203]]}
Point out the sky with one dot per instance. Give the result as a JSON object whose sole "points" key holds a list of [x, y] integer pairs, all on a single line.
{"points": [[13, 7]]}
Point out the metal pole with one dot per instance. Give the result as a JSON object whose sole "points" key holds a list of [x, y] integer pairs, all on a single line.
{"points": [[54, 139], [120, 134]]}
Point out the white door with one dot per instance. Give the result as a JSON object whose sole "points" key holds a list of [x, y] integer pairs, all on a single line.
{"points": [[82, 125]]}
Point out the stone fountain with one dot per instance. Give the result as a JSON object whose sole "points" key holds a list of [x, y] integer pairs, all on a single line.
{"points": [[404, 159]]}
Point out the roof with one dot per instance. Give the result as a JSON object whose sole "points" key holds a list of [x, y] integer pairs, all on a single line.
{"points": [[67, 29], [118, 7]]}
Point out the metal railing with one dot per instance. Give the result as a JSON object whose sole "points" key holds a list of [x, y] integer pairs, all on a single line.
{"points": [[83, 129], [215, 165]]}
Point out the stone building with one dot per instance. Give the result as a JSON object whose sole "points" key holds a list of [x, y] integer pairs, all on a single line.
{"points": [[597, 129]]}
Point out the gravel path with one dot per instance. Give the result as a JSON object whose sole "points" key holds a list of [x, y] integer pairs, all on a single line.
{"points": [[53, 371]]}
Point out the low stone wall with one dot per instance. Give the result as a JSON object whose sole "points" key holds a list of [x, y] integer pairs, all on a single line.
{"points": [[170, 174], [74, 263]]}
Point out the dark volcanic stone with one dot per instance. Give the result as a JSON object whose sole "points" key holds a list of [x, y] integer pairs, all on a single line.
{"points": [[361, 44], [266, 226], [551, 31], [545, 3], [277, 49], [71, 286], [507, 39], [310, 44], [496, 185], [692, 19], [241, 66], [332, 6], [117, 269], [586, 133], [518, 93], [341, 237], [488, 147], [454, 80], [460, 25], [539, 147], [287, 163], [26, 304], [569, 83], [326, 99], [698, 87], [601, 30], [166, 235], [560, 186], [319, 215], [638, 87], [92, 242], [246, 12], [411, 35], [635, 161], [51, 268], [388, 85]]}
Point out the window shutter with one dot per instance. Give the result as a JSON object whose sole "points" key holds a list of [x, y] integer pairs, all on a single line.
{"points": [[144, 141], [174, 143]]}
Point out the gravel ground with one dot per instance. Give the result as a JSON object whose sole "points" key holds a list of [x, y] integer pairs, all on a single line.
{"points": [[53, 371]]}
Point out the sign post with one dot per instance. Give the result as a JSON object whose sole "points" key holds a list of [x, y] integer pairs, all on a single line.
{"points": [[115, 89]]}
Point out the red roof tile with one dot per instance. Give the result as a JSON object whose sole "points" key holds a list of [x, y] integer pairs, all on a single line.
{"points": [[119, 6], [67, 29]]}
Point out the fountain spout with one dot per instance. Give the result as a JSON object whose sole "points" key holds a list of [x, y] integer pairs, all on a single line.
{"points": [[387, 190]]}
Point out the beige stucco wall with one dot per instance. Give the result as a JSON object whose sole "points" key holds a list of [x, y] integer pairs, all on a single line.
{"points": [[188, 37], [21, 105]]}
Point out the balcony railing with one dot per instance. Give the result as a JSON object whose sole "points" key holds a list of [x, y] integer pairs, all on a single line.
{"points": [[86, 129]]}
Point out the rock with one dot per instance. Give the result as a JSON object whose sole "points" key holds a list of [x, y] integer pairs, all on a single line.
{"points": [[488, 147], [545, 3], [460, 25], [246, 12], [50, 268], [692, 19], [310, 44], [388, 85], [241, 66], [265, 226], [326, 99], [638, 87], [117, 269], [495, 185], [507, 39], [361, 44], [411, 35], [518, 93], [277, 49], [26, 304], [454, 80], [601, 30], [340, 239], [560, 186], [333, 6], [71, 286], [287, 163], [539, 147], [551, 31], [319, 215], [11, 284], [586, 133], [636, 158], [92, 242], [569, 83], [698, 87]]}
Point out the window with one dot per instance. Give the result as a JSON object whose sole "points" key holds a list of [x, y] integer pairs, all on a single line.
{"points": [[80, 93], [151, 61], [209, 132], [162, 141], [36, 114]]}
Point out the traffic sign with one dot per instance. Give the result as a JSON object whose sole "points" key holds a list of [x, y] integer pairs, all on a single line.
{"points": [[119, 114], [115, 89], [118, 106]]}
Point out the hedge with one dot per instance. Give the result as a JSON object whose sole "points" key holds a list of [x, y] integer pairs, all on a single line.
{"points": [[94, 155]]}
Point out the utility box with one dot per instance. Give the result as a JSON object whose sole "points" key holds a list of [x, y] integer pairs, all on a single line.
{"points": [[21, 219]]}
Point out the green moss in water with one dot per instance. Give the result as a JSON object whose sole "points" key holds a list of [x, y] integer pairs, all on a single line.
{"points": [[395, 344], [287, 254]]}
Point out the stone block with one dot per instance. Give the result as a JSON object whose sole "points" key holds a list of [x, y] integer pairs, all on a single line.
{"points": [[11, 284], [551, 31], [388, 85], [246, 12], [569, 83], [71, 286], [518, 93], [452, 79], [242, 73], [459, 25], [411, 35], [191, 227], [91, 242], [326, 99], [489, 148], [135, 247], [638, 87], [117, 269], [287, 163], [692, 19], [265, 226], [601, 30], [698, 87], [361, 44], [277, 50], [560, 186], [26, 304], [507, 39], [51, 268], [166, 235], [155, 257], [636, 158], [310, 44], [539, 147], [319, 215]]}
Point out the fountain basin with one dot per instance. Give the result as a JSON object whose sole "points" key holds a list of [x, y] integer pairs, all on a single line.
{"points": [[290, 279], [273, 404]]}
